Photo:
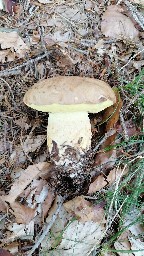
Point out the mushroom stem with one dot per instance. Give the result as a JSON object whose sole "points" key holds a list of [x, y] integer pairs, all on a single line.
{"points": [[72, 129]]}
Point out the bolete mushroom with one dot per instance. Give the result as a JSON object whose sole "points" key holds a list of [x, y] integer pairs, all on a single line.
{"points": [[68, 101]]}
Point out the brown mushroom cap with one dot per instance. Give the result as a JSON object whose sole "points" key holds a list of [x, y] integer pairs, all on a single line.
{"points": [[70, 94]]}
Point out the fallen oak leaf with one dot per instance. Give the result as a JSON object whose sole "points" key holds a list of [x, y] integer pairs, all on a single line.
{"points": [[85, 210], [23, 181], [22, 213], [10, 39], [117, 25]]}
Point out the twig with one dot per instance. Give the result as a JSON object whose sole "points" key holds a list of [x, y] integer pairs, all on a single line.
{"points": [[17, 70], [124, 126], [139, 18], [47, 228], [133, 57], [132, 101], [107, 135]]}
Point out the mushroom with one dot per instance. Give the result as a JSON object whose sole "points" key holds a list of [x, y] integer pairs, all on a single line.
{"points": [[68, 101]]}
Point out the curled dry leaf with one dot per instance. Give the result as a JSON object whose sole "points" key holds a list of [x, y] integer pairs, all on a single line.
{"points": [[84, 210], [23, 181], [117, 25], [11, 40], [23, 214]]}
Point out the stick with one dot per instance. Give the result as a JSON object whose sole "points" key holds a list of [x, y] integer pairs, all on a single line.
{"points": [[17, 70], [47, 227], [107, 135]]}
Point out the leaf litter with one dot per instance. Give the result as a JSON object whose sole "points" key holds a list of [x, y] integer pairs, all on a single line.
{"points": [[86, 39]]}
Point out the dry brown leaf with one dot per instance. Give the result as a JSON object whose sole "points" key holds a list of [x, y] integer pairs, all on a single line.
{"points": [[129, 239], [116, 174], [11, 40], [3, 206], [84, 210], [22, 122], [98, 184], [138, 64], [58, 226], [31, 144], [101, 181], [23, 181], [116, 25], [106, 159], [22, 213]]}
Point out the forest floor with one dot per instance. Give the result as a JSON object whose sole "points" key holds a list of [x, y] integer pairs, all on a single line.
{"points": [[96, 39]]}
